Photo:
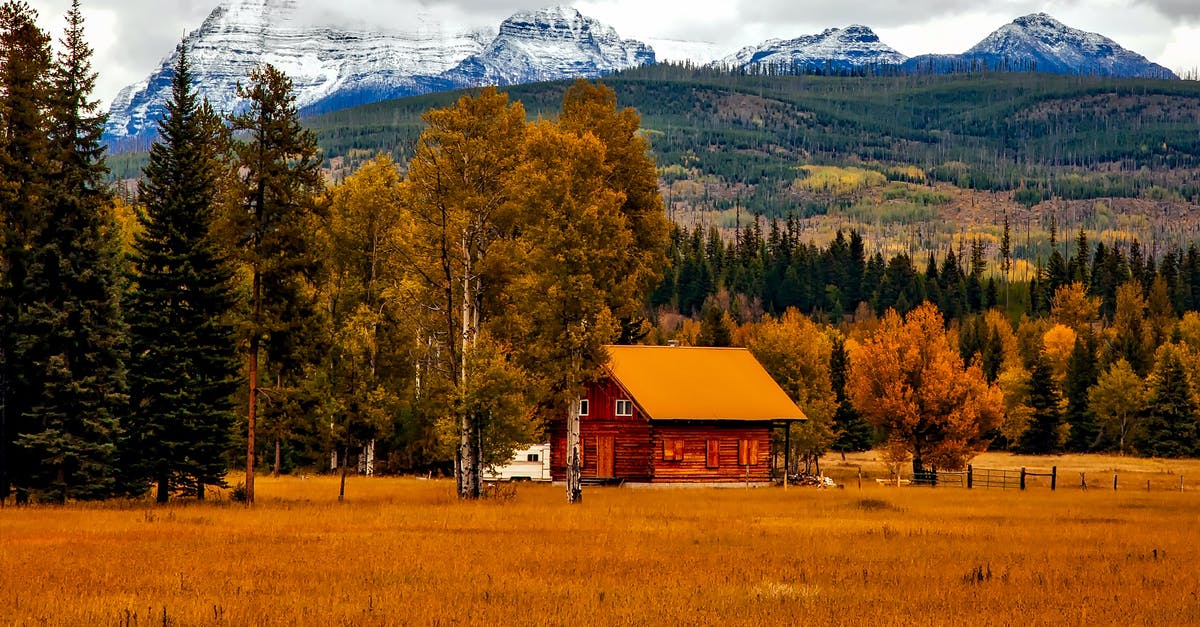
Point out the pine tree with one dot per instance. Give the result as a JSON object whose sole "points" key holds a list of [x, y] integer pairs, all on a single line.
{"points": [[183, 372], [1172, 422], [25, 63], [279, 174], [1041, 437], [851, 431], [72, 335], [1082, 374]]}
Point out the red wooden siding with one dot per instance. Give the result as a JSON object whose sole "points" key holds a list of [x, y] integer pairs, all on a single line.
{"points": [[713, 451], [633, 449]]}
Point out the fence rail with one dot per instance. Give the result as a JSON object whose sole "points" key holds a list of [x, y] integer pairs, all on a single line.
{"points": [[988, 478]]}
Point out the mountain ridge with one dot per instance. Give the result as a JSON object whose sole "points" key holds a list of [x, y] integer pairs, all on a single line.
{"points": [[334, 68]]}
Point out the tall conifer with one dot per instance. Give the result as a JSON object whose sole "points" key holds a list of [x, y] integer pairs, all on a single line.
{"points": [[25, 63], [1041, 437], [279, 175], [183, 372], [71, 336]]}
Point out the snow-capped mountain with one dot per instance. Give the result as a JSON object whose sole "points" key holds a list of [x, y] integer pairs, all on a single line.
{"points": [[547, 45], [836, 48], [1044, 44], [334, 68]]}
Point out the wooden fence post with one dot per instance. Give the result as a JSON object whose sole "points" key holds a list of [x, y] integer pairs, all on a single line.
{"points": [[1053, 477], [1147, 485], [860, 477], [1114, 482], [1181, 483], [971, 477], [1022, 477], [1082, 481]]}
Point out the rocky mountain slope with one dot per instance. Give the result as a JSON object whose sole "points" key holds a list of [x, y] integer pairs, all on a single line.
{"points": [[837, 49], [335, 68], [1042, 43]]}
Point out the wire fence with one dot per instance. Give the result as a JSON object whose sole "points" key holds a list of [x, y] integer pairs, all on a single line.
{"points": [[1025, 478]]}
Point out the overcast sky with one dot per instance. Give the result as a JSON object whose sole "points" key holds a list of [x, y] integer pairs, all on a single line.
{"points": [[131, 37]]}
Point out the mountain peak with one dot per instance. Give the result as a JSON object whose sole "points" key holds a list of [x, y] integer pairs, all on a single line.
{"points": [[1047, 45], [550, 44], [838, 48]]}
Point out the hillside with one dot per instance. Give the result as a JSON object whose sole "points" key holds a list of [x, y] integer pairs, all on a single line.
{"points": [[995, 143], [1118, 157]]}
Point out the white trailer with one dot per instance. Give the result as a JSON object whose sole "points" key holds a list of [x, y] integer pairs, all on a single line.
{"points": [[527, 464]]}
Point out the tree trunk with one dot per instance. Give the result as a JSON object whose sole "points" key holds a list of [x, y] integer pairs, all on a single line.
{"points": [[253, 376], [342, 489], [164, 490], [369, 470], [200, 491], [468, 423], [278, 458], [574, 470]]}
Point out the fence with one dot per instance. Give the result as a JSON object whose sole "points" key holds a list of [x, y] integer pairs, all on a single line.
{"points": [[984, 478]]}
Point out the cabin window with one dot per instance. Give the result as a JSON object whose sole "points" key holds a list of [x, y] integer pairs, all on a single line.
{"points": [[747, 452], [583, 407], [673, 450], [624, 407], [533, 457], [714, 454]]}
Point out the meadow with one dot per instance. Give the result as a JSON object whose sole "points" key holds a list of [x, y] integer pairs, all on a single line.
{"points": [[404, 551]]}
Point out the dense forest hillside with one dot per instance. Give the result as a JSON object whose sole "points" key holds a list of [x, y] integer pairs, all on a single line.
{"points": [[917, 163]]}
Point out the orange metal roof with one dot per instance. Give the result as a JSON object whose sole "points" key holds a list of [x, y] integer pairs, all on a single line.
{"points": [[692, 383]]}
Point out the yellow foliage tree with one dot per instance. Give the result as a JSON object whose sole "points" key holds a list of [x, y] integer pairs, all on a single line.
{"points": [[795, 351], [1072, 307], [1057, 345], [907, 379]]}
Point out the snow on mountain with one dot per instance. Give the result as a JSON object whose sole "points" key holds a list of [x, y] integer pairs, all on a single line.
{"points": [[335, 68], [837, 48], [1041, 42], [547, 45]]}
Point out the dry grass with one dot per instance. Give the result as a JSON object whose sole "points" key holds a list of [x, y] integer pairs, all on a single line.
{"points": [[403, 551]]}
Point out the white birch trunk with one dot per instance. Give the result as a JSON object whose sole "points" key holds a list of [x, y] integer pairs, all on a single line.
{"points": [[369, 470], [468, 458], [574, 450]]}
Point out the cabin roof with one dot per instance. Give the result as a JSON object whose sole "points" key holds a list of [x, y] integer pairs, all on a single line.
{"points": [[694, 383]]}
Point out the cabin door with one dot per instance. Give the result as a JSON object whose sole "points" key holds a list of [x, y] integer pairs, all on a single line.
{"points": [[605, 456]]}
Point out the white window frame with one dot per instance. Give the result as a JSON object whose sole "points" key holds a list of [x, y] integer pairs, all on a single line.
{"points": [[628, 407], [583, 406]]}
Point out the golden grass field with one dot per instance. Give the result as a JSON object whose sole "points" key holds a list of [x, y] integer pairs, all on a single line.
{"points": [[405, 552]]}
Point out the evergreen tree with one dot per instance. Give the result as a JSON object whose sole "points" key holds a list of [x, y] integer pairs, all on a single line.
{"points": [[25, 63], [1082, 374], [714, 328], [1171, 425], [852, 433], [279, 173], [1041, 437], [183, 372], [71, 337]]}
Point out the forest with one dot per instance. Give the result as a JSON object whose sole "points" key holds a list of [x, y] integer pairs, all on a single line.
{"points": [[418, 286]]}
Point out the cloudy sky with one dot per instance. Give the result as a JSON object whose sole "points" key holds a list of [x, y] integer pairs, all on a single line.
{"points": [[132, 36]]}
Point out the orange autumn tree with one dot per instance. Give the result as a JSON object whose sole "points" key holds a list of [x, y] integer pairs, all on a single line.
{"points": [[907, 379]]}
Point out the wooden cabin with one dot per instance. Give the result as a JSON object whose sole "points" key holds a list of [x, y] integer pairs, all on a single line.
{"points": [[667, 414]]}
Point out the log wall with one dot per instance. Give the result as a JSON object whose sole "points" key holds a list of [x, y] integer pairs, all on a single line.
{"points": [[698, 452]]}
